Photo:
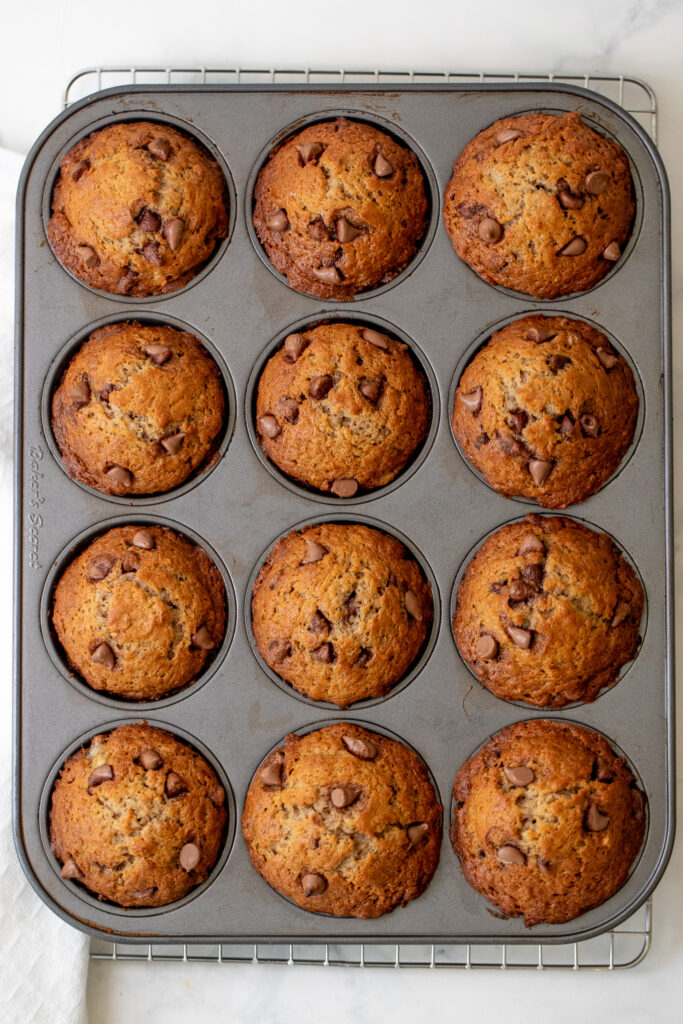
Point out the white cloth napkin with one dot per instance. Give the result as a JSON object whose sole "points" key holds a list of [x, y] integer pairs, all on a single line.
{"points": [[43, 961]]}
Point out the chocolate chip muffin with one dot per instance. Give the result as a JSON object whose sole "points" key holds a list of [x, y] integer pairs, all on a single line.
{"points": [[138, 209], [137, 817], [139, 408], [342, 407], [547, 612], [343, 821], [139, 612], [547, 821], [546, 410], [340, 611], [339, 208], [541, 204]]}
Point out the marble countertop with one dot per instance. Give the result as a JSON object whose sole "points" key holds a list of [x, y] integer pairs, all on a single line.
{"points": [[46, 44]]}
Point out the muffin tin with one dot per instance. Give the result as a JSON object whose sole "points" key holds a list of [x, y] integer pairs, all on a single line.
{"points": [[439, 306]]}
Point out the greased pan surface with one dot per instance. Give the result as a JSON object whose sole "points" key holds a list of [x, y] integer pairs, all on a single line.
{"points": [[238, 510]]}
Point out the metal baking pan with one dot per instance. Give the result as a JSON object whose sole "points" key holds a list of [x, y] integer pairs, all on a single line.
{"points": [[241, 307]]}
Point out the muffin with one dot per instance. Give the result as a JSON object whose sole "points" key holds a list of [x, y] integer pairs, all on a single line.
{"points": [[541, 204], [343, 821], [139, 612], [138, 409], [339, 208], [138, 209], [547, 821], [137, 817], [547, 612], [342, 407], [546, 410], [340, 611]]}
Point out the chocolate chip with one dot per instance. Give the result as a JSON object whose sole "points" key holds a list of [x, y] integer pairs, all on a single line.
{"points": [[202, 639], [320, 386], [160, 148], [519, 776], [173, 443], [323, 653], [521, 590], [150, 759], [510, 855], [279, 650], [149, 221], [363, 658], [99, 567], [318, 231], [606, 357], [382, 167], [312, 884], [612, 252], [489, 230], [294, 346], [597, 182], [314, 551], [518, 420], [189, 856], [269, 426], [328, 275], [570, 201], [520, 637], [486, 647], [595, 820], [343, 796], [288, 409], [103, 655], [621, 613], [105, 773], [507, 135], [589, 425], [151, 253], [144, 894], [157, 353], [574, 247], [539, 469], [125, 282], [346, 232], [413, 606], [271, 775], [352, 606], [309, 151], [557, 362], [533, 573], [540, 334], [79, 169], [371, 389], [278, 222], [345, 487], [376, 338], [472, 399], [143, 539], [217, 796], [130, 562], [71, 870], [88, 256], [174, 784], [319, 623], [173, 232], [417, 832], [80, 393], [364, 749], [119, 475], [567, 425], [531, 543]]}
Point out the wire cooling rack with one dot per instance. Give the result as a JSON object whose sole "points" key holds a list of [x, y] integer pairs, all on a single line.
{"points": [[621, 948]]}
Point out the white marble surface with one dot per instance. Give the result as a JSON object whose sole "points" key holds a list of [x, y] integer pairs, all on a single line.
{"points": [[43, 44]]}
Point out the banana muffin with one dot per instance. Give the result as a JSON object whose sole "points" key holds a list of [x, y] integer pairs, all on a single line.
{"points": [[342, 408], [137, 817], [343, 821], [541, 204], [546, 410], [547, 612], [547, 821], [139, 612], [340, 207], [340, 611], [138, 209], [139, 408]]}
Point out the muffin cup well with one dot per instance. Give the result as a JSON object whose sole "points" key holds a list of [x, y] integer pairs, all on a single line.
{"points": [[422, 657], [56, 651], [367, 320], [80, 890], [221, 444]]}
